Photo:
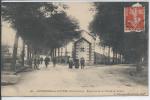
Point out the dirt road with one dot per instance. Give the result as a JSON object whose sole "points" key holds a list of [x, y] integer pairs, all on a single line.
{"points": [[92, 81]]}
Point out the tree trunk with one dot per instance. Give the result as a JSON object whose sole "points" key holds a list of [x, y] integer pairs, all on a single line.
{"points": [[116, 58], [113, 57], [120, 58], [34, 52], [23, 53], [66, 52], [15, 52], [52, 53], [109, 55], [55, 52], [29, 55], [28, 52], [104, 55], [59, 54], [31, 52]]}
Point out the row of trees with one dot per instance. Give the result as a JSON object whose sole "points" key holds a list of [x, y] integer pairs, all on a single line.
{"points": [[108, 23], [40, 25]]}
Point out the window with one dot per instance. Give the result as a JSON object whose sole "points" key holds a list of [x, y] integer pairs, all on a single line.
{"points": [[82, 49]]}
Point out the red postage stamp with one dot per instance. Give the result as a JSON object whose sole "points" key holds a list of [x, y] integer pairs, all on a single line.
{"points": [[134, 19]]}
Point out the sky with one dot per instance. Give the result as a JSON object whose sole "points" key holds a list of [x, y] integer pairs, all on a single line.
{"points": [[81, 11], [8, 35], [78, 10]]}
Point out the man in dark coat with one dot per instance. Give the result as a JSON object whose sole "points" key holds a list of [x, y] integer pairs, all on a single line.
{"points": [[70, 61], [76, 63], [41, 60], [46, 60], [82, 62], [36, 63]]}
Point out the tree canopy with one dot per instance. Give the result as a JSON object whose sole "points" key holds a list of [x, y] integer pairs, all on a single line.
{"points": [[108, 23], [43, 25]]}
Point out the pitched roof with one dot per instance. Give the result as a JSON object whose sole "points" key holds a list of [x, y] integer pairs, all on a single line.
{"points": [[89, 34], [82, 39]]}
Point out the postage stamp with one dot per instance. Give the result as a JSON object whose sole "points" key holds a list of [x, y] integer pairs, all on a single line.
{"points": [[134, 19]]}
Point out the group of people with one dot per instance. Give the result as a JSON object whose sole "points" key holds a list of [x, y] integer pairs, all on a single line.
{"points": [[76, 63], [39, 60], [72, 62]]}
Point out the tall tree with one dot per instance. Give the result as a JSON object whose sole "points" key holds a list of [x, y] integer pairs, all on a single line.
{"points": [[109, 24], [43, 25]]}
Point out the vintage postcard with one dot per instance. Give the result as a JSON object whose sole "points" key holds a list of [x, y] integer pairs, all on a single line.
{"points": [[74, 48]]}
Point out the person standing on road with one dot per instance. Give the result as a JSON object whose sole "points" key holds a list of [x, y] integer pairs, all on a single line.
{"points": [[41, 60], [47, 60], [36, 63], [82, 62], [70, 62], [76, 63]]}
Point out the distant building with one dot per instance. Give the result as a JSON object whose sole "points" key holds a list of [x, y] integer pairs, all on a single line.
{"points": [[81, 47], [85, 47]]}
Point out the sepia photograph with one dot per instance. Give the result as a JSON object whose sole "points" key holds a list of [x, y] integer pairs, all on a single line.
{"points": [[74, 49]]}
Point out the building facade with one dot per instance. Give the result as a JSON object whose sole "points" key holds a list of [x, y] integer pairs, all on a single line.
{"points": [[83, 48]]}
